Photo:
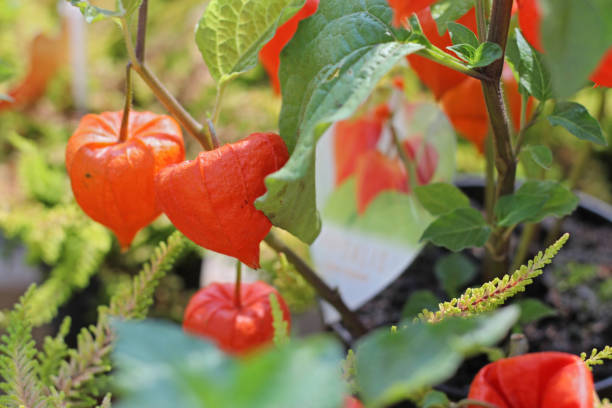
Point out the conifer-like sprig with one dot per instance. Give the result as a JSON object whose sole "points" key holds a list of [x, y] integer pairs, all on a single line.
{"points": [[597, 357], [18, 365], [76, 376], [493, 294], [281, 328]]}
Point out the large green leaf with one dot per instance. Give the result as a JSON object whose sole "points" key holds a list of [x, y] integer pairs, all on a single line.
{"points": [[123, 8], [231, 32], [459, 229], [327, 70], [534, 201], [577, 120], [575, 35], [393, 366], [446, 11], [159, 366]]}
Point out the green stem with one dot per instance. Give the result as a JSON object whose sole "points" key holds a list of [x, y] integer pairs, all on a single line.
{"points": [[437, 55], [481, 18], [218, 99], [238, 286], [527, 236], [489, 179], [194, 128], [125, 119]]}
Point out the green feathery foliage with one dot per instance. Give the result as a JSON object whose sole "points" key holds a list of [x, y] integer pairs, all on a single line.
{"points": [[349, 371], [134, 300], [79, 377], [54, 351], [62, 237], [281, 328], [597, 357], [493, 294], [298, 293], [18, 365]]}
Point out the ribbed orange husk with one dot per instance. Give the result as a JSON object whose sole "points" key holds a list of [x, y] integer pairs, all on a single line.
{"points": [[270, 53], [436, 77], [213, 313], [536, 380], [404, 8], [376, 173], [210, 199], [114, 182], [466, 109]]}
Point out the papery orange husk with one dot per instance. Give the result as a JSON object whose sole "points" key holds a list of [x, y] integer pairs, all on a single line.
{"points": [[113, 181], [403, 9], [376, 173], [210, 199], [213, 313], [466, 109], [536, 380], [437, 78], [270, 53]]}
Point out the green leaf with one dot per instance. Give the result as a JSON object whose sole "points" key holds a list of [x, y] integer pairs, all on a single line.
{"points": [[534, 77], [446, 11], [419, 300], [575, 35], [348, 47], [541, 155], [464, 51], [485, 54], [533, 202], [578, 121], [441, 198], [159, 366], [94, 13], [460, 34], [462, 228], [393, 366], [231, 32], [533, 310], [454, 271]]}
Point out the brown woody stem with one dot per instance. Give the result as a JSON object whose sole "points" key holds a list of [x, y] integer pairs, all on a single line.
{"points": [[496, 263], [351, 321]]}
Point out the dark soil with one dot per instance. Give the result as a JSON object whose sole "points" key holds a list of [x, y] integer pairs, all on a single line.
{"points": [[574, 284]]}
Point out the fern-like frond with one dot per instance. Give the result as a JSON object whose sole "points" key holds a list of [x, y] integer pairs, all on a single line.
{"points": [[281, 328], [53, 353], [134, 300], [89, 359], [493, 294], [76, 379], [18, 365], [597, 357]]}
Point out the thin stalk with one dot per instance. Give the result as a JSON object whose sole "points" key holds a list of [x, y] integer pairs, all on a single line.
{"points": [[520, 139], [142, 30], [125, 119], [481, 18], [238, 286], [218, 99], [351, 321], [164, 96], [528, 234]]}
